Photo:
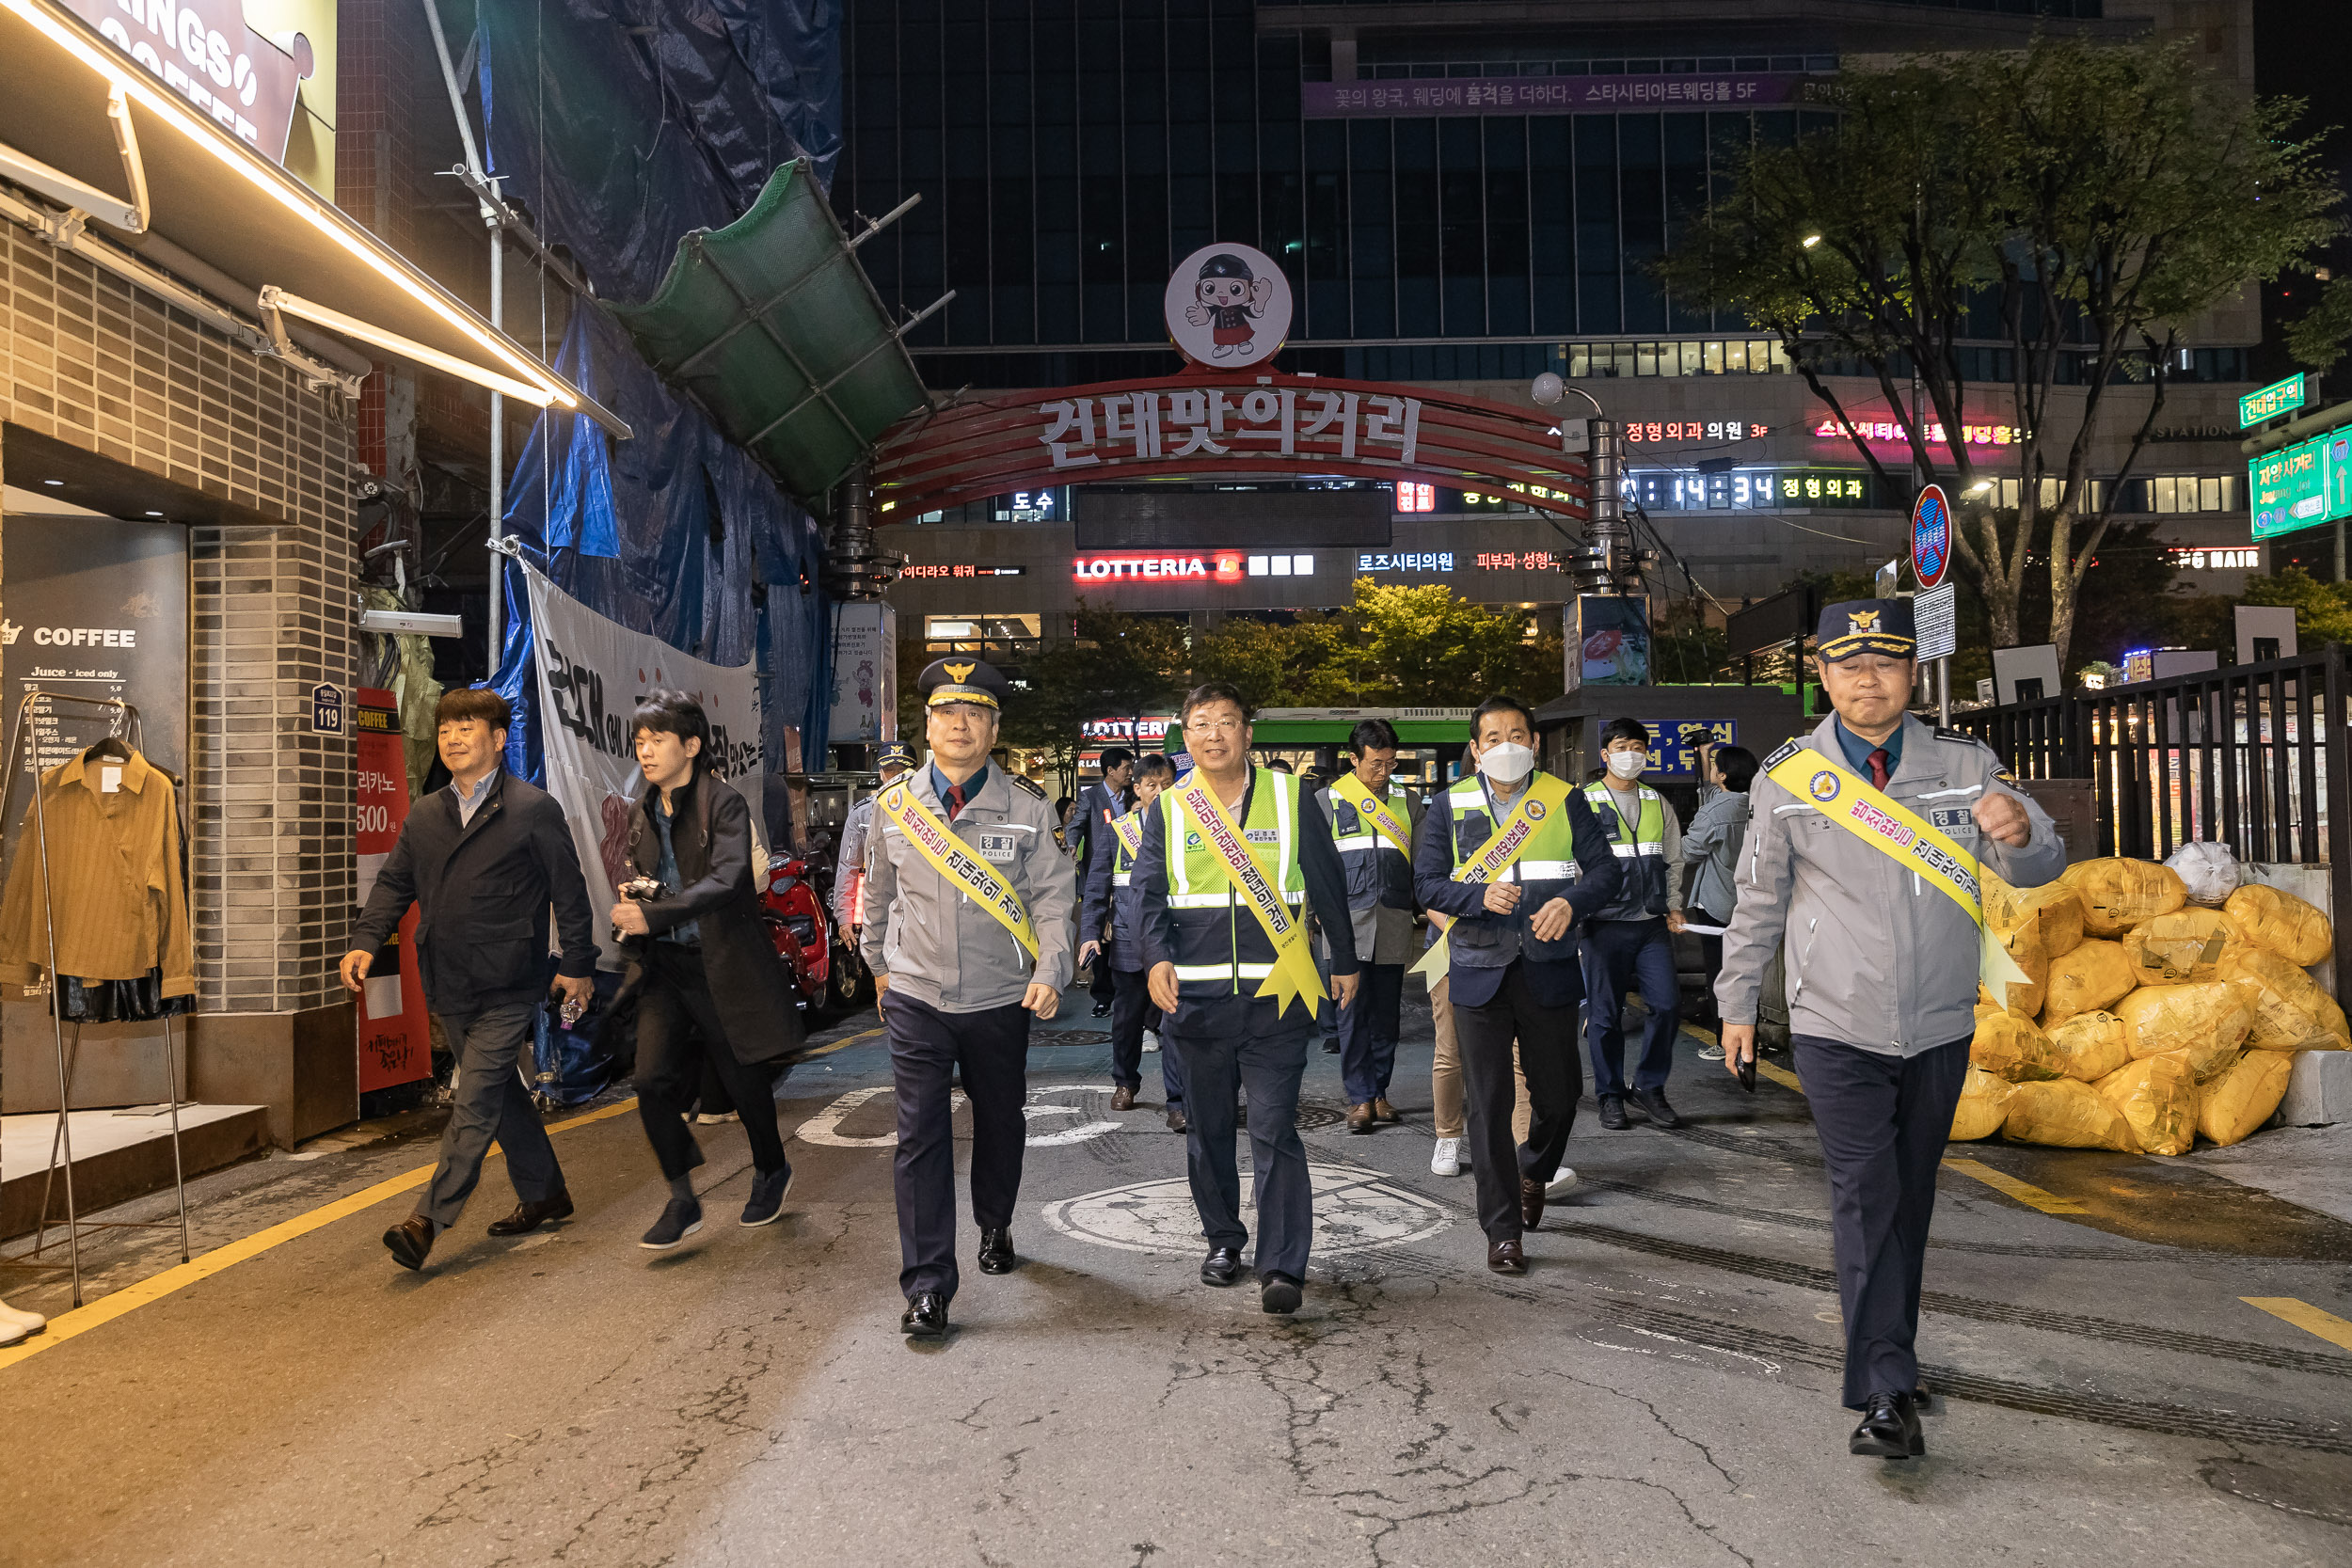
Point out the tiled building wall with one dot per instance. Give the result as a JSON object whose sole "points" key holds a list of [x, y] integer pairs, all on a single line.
{"points": [[90, 361]]}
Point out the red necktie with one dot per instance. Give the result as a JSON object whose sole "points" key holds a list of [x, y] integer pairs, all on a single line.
{"points": [[955, 794], [1879, 768]]}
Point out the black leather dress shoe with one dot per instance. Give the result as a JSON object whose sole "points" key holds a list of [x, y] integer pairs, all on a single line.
{"points": [[1331, 1044], [1612, 1112], [1507, 1257], [528, 1217], [1889, 1429], [1278, 1295], [996, 1254], [1102, 1009], [1653, 1104], [1531, 1202], [1221, 1267], [409, 1241], [926, 1317]]}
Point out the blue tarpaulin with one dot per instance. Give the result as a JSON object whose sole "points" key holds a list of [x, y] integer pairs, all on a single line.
{"points": [[622, 124], [675, 534]]}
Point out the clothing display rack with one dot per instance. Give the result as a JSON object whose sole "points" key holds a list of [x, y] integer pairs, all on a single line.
{"points": [[125, 729]]}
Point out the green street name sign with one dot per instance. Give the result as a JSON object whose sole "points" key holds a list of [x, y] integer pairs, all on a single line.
{"points": [[2282, 397], [2302, 485]]}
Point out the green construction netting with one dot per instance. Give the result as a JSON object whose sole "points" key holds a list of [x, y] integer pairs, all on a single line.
{"points": [[771, 326]]}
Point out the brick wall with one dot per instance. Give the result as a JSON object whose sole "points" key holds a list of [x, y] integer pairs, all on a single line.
{"points": [[90, 361]]}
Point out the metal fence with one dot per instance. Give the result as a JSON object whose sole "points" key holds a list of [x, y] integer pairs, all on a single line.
{"points": [[2253, 756]]}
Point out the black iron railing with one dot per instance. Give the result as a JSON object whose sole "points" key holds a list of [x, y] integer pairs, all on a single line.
{"points": [[2253, 756]]}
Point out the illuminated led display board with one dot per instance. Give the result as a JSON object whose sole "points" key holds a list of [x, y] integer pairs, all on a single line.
{"points": [[2302, 485]]}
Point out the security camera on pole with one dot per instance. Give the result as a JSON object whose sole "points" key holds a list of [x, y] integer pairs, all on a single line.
{"points": [[1599, 441]]}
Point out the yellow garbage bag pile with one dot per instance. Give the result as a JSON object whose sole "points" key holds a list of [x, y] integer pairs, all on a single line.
{"points": [[2095, 974], [2090, 1045], [2010, 1045], [1985, 1105], [2185, 946], [2119, 895], [2036, 924], [2146, 1021]]}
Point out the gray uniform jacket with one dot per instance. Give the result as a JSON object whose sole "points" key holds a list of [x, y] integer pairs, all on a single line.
{"points": [[937, 945], [850, 861], [1877, 958], [1713, 842]]}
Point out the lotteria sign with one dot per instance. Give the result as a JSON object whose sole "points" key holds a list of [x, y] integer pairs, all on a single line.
{"points": [[1156, 566]]}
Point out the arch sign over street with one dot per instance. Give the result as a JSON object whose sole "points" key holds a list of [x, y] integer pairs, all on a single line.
{"points": [[1228, 414]]}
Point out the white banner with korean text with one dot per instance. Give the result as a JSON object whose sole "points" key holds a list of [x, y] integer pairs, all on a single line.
{"points": [[592, 673]]}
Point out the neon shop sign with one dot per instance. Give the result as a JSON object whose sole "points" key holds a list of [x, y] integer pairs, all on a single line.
{"points": [[1888, 430]]}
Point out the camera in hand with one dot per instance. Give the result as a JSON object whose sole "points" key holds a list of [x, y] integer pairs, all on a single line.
{"points": [[640, 890]]}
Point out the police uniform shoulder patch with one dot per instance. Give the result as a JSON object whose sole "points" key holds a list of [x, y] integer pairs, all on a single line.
{"points": [[1963, 736], [1787, 749], [1030, 784]]}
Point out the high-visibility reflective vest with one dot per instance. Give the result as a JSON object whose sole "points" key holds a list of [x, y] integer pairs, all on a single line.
{"points": [[1377, 871], [1641, 856], [1545, 870], [1220, 948]]}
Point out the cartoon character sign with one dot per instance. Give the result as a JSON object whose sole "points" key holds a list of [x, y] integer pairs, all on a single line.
{"points": [[1227, 303]]}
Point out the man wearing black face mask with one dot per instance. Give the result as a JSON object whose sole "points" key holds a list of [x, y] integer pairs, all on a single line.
{"points": [[1512, 863]]}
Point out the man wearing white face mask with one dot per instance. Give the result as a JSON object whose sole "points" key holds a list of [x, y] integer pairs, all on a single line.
{"points": [[1630, 942], [1515, 860]]}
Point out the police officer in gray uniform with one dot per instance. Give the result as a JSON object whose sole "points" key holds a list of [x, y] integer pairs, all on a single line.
{"points": [[1883, 971], [849, 865], [958, 986]]}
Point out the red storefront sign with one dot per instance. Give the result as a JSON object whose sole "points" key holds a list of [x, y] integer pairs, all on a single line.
{"points": [[395, 1042], [1107, 566]]}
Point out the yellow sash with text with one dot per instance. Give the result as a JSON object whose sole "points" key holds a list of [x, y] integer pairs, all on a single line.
{"points": [[1130, 831], [1372, 809], [1294, 977], [1895, 831], [953, 859], [1544, 796]]}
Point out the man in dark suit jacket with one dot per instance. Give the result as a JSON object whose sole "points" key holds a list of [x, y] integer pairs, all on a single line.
{"points": [[712, 989], [483, 861], [1100, 804], [1510, 938]]}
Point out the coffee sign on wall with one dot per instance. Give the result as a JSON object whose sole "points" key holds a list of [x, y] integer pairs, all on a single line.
{"points": [[203, 51]]}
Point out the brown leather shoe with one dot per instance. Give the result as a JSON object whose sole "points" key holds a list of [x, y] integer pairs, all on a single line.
{"points": [[1176, 1122], [410, 1241], [1123, 1098], [1506, 1256], [1384, 1111], [528, 1217], [1531, 1202], [1360, 1117]]}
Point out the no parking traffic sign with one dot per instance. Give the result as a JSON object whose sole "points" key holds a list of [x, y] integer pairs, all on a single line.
{"points": [[1930, 536]]}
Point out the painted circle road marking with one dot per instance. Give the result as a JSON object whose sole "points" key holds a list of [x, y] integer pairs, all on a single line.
{"points": [[1356, 1211]]}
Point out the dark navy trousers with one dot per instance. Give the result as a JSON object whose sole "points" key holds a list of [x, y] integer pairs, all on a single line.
{"points": [[1132, 1013], [1368, 1028], [1882, 1121], [928, 1048], [1237, 1042], [1640, 954]]}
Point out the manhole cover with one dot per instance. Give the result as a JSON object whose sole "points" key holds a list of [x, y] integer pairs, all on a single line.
{"points": [[1069, 1037], [1356, 1211], [1312, 1116]]}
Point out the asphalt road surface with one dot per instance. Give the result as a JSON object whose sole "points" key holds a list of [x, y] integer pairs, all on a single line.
{"points": [[1661, 1389]]}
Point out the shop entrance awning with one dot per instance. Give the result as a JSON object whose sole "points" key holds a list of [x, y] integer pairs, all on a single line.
{"points": [[217, 197], [770, 325]]}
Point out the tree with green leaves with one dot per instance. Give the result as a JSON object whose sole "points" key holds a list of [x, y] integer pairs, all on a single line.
{"points": [[1118, 666], [2077, 203]]}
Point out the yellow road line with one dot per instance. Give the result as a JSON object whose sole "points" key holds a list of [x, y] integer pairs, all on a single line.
{"points": [[838, 1045], [2024, 1191], [107, 1308], [2303, 1315], [1780, 1075]]}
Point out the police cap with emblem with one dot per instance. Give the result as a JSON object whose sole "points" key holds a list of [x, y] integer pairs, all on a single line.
{"points": [[895, 755], [1859, 626], [959, 678]]}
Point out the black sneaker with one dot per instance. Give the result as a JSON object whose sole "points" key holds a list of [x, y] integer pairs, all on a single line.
{"points": [[766, 1204], [679, 1220]]}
